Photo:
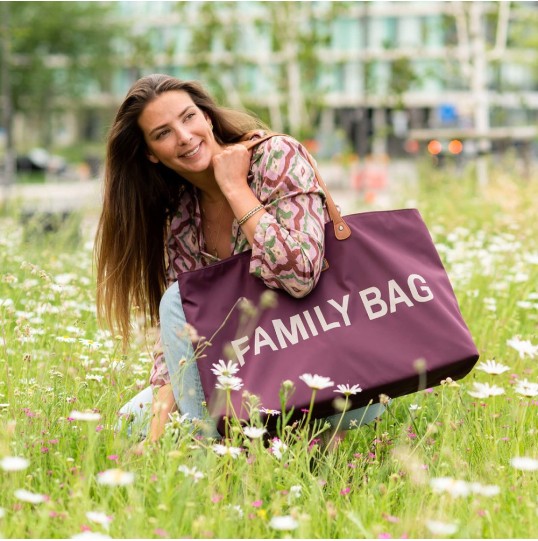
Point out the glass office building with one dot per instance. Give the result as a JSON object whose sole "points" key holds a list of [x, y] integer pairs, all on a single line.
{"points": [[379, 71]]}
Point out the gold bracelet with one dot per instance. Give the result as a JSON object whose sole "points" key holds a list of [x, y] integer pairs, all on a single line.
{"points": [[249, 214]]}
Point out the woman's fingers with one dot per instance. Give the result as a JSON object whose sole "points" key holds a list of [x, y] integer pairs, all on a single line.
{"points": [[231, 167]]}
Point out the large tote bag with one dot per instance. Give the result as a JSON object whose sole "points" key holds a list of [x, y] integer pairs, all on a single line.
{"points": [[383, 308]]}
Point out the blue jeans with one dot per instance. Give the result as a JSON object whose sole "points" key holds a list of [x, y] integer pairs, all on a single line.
{"points": [[185, 378]]}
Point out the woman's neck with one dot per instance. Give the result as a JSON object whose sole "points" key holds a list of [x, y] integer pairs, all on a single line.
{"points": [[210, 195], [207, 187]]}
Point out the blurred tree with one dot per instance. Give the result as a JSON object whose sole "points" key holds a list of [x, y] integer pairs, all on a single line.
{"points": [[288, 39], [217, 30], [298, 33], [402, 77], [57, 51]]}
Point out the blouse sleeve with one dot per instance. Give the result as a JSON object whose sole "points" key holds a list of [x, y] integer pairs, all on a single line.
{"points": [[289, 240]]}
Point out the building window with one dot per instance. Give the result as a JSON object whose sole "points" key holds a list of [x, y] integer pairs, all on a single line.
{"points": [[347, 35]]}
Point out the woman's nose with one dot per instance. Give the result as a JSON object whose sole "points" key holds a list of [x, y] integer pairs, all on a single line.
{"points": [[183, 135]]}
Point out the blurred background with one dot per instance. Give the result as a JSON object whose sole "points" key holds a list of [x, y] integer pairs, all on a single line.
{"points": [[374, 89]]}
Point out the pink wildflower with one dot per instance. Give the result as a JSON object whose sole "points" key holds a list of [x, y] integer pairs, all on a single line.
{"points": [[313, 443]]}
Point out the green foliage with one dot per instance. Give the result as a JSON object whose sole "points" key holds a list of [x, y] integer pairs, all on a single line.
{"points": [[401, 79], [59, 52], [232, 75], [59, 48]]}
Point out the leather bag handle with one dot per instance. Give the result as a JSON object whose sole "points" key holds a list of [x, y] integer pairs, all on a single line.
{"points": [[341, 229]]}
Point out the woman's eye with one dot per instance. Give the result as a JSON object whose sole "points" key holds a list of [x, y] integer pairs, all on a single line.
{"points": [[161, 134], [189, 116]]}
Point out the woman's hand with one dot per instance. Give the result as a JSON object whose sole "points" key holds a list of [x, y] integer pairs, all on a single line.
{"points": [[231, 167], [163, 404]]}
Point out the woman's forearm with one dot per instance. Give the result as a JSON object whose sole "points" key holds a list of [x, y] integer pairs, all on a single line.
{"points": [[163, 404]]}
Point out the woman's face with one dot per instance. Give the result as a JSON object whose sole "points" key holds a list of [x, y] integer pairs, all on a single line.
{"points": [[178, 134]]}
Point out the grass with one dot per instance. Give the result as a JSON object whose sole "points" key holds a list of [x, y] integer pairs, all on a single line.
{"points": [[34, 177], [379, 482]]}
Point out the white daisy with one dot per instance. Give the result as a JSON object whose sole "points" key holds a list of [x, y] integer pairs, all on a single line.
{"points": [[346, 390], [485, 490], [524, 463], [94, 377], [99, 518], [85, 416], [29, 497], [454, 487], [316, 382], [523, 347], [437, 527], [14, 463], [254, 432], [232, 383], [283, 523], [115, 477], [236, 509], [295, 491], [222, 450], [278, 448], [526, 388], [177, 419], [191, 472], [270, 412], [492, 367], [66, 339], [485, 390], [225, 369]]}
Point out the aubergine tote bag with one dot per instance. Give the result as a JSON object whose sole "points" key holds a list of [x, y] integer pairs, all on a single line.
{"points": [[384, 303]]}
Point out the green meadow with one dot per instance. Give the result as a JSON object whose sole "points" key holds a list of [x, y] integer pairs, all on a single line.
{"points": [[459, 460]]}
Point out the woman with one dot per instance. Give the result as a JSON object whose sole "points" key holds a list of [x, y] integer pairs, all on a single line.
{"points": [[179, 194]]}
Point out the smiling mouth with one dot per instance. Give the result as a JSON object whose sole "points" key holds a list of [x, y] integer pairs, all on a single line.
{"points": [[192, 152]]}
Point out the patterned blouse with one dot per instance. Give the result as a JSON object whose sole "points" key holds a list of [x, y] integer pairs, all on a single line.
{"points": [[289, 239]]}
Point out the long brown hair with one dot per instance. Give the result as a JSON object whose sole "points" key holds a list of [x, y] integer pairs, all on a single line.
{"points": [[139, 198]]}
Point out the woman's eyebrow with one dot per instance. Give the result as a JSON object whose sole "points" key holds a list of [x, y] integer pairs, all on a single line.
{"points": [[164, 125]]}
